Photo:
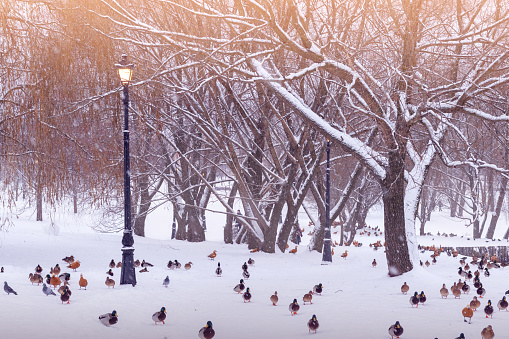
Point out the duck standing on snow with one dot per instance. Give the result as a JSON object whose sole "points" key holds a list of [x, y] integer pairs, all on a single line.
{"points": [[481, 291], [110, 273], [250, 262], [239, 287], [38, 269], [244, 266], [159, 316], [83, 282], [465, 288], [396, 330], [467, 313], [488, 310], [475, 304], [462, 336], [502, 304], [219, 270], [274, 298], [422, 298], [313, 324], [109, 319], [487, 333], [177, 264], [66, 295], [213, 255], [414, 300], [109, 282], [405, 288], [207, 332], [444, 292], [170, 265], [112, 263], [146, 264], [247, 296], [294, 307], [373, 263], [317, 289], [308, 297], [188, 266], [486, 272], [35, 278]]}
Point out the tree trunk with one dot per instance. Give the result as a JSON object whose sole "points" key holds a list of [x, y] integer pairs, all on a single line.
{"points": [[195, 231], [145, 201], [498, 208], [39, 201], [228, 228]]}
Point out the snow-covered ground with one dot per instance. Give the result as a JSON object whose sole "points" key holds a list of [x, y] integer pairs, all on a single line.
{"points": [[358, 301]]}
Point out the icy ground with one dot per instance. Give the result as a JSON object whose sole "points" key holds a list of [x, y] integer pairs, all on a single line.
{"points": [[358, 301]]}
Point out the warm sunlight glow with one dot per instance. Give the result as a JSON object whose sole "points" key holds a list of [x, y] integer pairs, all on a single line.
{"points": [[125, 70]]}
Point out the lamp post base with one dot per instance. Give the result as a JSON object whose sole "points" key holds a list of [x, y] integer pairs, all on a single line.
{"points": [[127, 273]]}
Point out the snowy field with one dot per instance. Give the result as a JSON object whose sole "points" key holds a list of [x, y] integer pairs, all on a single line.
{"points": [[358, 301]]}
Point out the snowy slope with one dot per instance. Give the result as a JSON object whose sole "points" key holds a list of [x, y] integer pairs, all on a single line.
{"points": [[358, 301]]}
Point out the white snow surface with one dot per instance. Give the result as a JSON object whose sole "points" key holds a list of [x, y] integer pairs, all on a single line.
{"points": [[358, 301]]}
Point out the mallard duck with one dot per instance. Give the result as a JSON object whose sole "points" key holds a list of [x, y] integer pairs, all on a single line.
{"points": [[481, 291], [146, 264], [68, 259], [307, 297], [212, 255], [61, 288], [137, 263], [177, 264], [475, 304], [65, 277], [469, 276], [83, 282], [166, 281], [247, 295], [486, 272], [246, 274], [110, 282], [65, 296], [422, 298], [55, 270], [318, 289], [461, 336], [313, 324], [188, 266], [488, 310], [143, 270], [244, 266], [119, 264], [207, 332], [396, 330], [110, 273], [46, 290], [250, 262], [487, 333], [239, 287], [465, 288], [444, 292], [109, 319], [55, 281], [159, 316], [404, 288], [170, 265], [502, 304], [294, 307], [8, 289], [274, 298], [35, 278], [414, 300], [74, 265], [467, 313], [219, 270], [477, 282], [112, 263], [373, 263], [38, 269]]}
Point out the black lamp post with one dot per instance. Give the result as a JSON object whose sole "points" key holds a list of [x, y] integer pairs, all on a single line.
{"points": [[127, 273], [327, 249]]}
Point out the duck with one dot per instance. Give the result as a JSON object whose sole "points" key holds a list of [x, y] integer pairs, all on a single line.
{"points": [[74, 265], [247, 295], [475, 304], [250, 262], [486, 272], [213, 255], [177, 264], [469, 275], [477, 282], [404, 288], [317, 289], [110, 273], [481, 291], [502, 304], [422, 298], [46, 290], [146, 264], [65, 277], [170, 265], [55, 281], [109, 319], [110, 282], [465, 288], [294, 307], [61, 288], [467, 313], [373, 263], [112, 263], [487, 332], [219, 270], [246, 274], [159, 316], [313, 324], [55, 270], [137, 263], [427, 263], [35, 278], [488, 310], [143, 270], [461, 336], [119, 264], [239, 287], [414, 300], [166, 281], [65, 296], [244, 266], [456, 291], [2, 269], [396, 330], [344, 255], [83, 282], [444, 292], [307, 297], [68, 259], [188, 266], [38, 269], [274, 298], [207, 332], [460, 271]]}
